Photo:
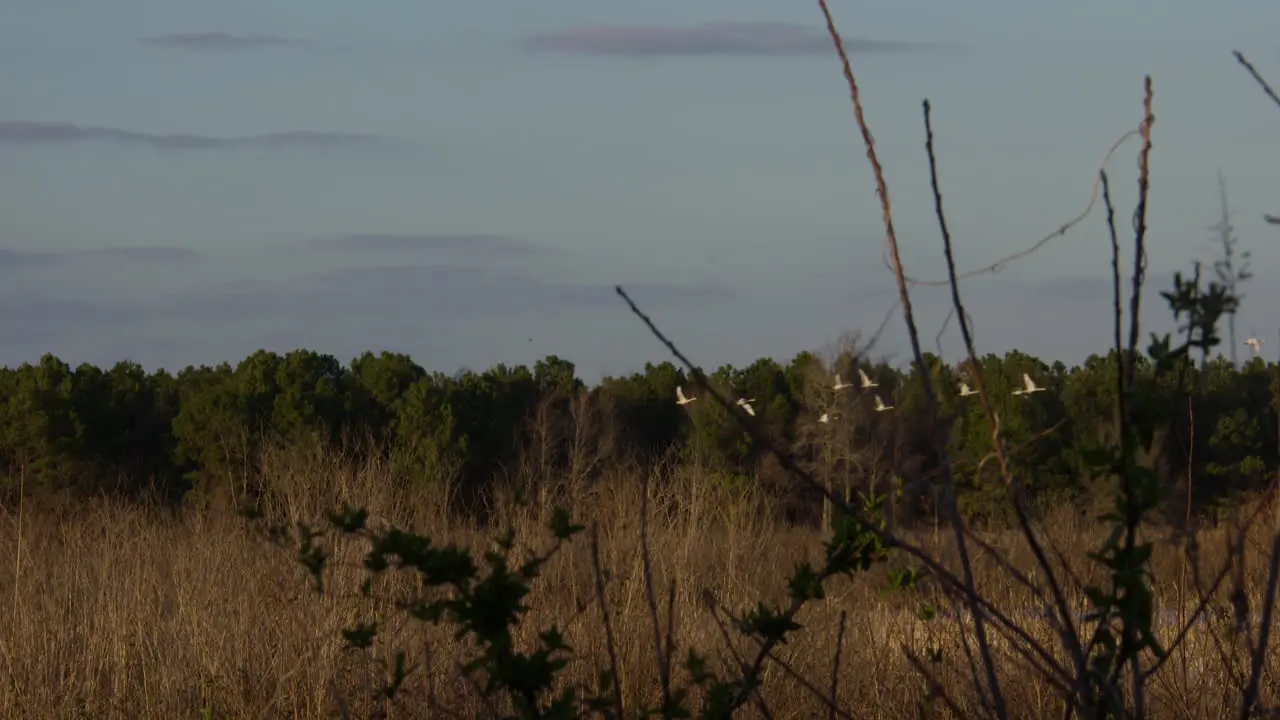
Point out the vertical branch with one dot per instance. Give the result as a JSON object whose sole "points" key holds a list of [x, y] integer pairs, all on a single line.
{"points": [[1071, 638], [17, 551], [835, 669], [664, 672], [1266, 88], [1226, 267], [1140, 229], [1021, 641], [1124, 366], [931, 404], [1133, 509], [610, 645], [1119, 309], [1264, 636], [669, 644]]}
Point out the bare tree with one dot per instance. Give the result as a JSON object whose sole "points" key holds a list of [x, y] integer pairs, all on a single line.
{"points": [[1230, 274], [586, 451]]}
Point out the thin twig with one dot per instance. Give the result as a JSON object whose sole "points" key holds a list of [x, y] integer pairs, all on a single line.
{"points": [[1118, 313], [833, 710], [884, 322], [713, 607], [931, 404], [937, 339], [433, 699], [935, 687], [1207, 596], [1071, 637], [1123, 362], [610, 645], [1000, 264], [670, 650], [1021, 640], [1264, 633], [1140, 228], [664, 672], [1266, 87], [1133, 517], [835, 668]]}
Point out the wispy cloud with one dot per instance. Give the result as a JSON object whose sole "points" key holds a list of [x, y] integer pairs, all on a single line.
{"points": [[40, 133], [478, 243], [145, 254], [712, 38], [15, 259], [219, 41], [447, 315], [351, 309], [422, 290], [33, 317]]}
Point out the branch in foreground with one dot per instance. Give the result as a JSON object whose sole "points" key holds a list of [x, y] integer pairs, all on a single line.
{"points": [[996, 700], [1266, 88], [1070, 637], [1020, 640], [1257, 77]]}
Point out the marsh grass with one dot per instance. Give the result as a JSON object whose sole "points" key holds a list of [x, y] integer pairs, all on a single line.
{"points": [[120, 611]]}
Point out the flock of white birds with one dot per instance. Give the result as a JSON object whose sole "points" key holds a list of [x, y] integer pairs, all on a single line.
{"points": [[1028, 387], [866, 383]]}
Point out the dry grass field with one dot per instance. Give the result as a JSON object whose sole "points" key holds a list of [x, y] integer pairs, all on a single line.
{"points": [[118, 612]]}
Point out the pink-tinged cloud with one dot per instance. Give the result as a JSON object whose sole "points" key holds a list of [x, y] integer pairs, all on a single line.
{"points": [[713, 38], [217, 41]]}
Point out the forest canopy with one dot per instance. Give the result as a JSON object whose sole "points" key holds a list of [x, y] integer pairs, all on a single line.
{"points": [[128, 432]]}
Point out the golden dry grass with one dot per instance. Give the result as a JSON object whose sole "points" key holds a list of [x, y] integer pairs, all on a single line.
{"points": [[116, 611]]}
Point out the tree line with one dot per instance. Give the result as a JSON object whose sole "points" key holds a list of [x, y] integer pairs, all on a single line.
{"points": [[128, 432]]}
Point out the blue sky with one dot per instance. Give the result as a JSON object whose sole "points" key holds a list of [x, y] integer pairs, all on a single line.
{"points": [[186, 182]]}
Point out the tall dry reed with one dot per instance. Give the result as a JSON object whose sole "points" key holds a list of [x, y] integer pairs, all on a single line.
{"points": [[123, 612]]}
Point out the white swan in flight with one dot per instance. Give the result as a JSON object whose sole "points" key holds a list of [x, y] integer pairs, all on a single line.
{"points": [[966, 391], [1028, 386], [745, 404], [1256, 344], [681, 399], [866, 381], [841, 384], [880, 406]]}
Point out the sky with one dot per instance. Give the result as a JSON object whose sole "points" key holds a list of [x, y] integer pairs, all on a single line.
{"points": [[184, 183]]}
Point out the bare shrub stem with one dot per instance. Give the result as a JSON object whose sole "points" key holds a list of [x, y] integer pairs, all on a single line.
{"points": [[996, 698], [1071, 638]]}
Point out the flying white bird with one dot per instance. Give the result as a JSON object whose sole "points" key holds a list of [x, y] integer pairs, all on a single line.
{"points": [[826, 417], [966, 391], [866, 381], [681, 399], [745, 404], [1028, 386], [840, 384], [880, 406], [1256, 344]]}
